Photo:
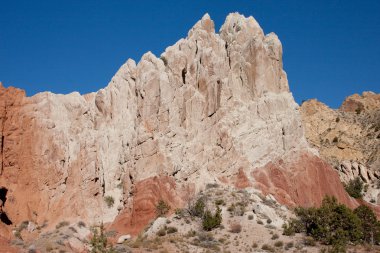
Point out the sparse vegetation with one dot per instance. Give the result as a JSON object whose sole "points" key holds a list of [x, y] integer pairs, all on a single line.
{"points": [[162, 208], [23, 225], [171, 230], [198, 208], [109, 201], [292, 226], [309, 241], [161, 232], [164, 60], [237, 209], [219, 202], [289, 245], [275, 237], [268, 248], [99, 242], [179, 213], [210, 186], [279, 244]]}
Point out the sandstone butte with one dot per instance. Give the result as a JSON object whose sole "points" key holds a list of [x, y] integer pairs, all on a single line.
{"points": [[213, 108]]}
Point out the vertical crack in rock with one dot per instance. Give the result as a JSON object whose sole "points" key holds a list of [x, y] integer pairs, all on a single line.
{"points": [[228, 54], [184, 71], [2, 140]]}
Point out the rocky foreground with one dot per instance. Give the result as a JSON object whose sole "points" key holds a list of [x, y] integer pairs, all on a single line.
{"points": [[213, 109]]}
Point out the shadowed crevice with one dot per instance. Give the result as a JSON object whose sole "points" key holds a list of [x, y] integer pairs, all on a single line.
{"points": [[3, 198]]}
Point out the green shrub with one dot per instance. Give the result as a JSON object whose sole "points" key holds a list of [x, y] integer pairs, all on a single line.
{"points": [[355, 188], [211, 221], [278, 244], [331, 224], [109, 201], [268, 248], [162, 208]]}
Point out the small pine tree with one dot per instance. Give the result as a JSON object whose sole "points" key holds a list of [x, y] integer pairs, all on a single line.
{"points": [[370, 225], [99, 242]]}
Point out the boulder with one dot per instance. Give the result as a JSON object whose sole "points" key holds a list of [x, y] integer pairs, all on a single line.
{"points": [[123, 238]]}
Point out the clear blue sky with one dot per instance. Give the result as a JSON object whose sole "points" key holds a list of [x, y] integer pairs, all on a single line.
{"points": [[331, 47]]}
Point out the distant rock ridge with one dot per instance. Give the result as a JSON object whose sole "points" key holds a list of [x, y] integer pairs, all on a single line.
{"points": [[213, 108], [348, 138]]}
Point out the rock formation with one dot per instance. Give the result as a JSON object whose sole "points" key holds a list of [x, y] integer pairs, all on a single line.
{"points": [[213, 108], [348, 138]]}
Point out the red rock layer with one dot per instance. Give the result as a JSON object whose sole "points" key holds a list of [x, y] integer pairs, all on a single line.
{"points": [[146, 195], [15, 146], [304, 181]]}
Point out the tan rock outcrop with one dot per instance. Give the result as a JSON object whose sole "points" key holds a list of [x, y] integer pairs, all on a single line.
{"points": [[348, 138], [213, 106]]}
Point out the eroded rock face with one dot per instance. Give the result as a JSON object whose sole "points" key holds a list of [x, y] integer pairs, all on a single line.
{"points": [[348, 138], [215, 107]]}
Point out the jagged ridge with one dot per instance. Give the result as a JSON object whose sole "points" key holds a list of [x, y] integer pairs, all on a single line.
{"points": [[213, 108]]}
